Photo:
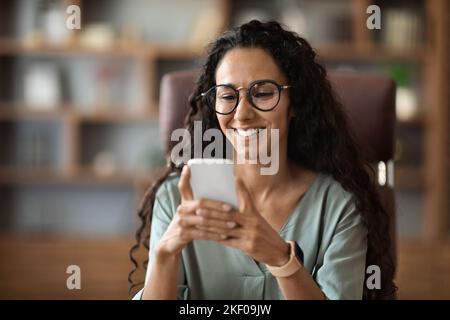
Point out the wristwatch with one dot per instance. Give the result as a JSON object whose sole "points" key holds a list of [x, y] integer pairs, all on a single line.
{"points": [[292, 266]]}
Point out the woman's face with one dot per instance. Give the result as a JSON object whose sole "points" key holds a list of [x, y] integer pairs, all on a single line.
{"points": [[240, 68]]}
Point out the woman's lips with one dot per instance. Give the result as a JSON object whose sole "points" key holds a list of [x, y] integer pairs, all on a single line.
{"points": [[247, 132]]}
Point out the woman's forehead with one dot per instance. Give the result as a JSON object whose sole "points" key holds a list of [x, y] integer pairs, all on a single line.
{"points": [[242, 66]]}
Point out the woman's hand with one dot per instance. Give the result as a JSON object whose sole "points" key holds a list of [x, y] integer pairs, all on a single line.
{"points": [[183, 227], [253, 234]]}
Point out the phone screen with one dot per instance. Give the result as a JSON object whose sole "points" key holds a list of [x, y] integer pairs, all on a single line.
{"points": [[213, 179]]}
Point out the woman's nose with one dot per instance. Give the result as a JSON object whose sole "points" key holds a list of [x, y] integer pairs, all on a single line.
{"points": [[244, 109]]}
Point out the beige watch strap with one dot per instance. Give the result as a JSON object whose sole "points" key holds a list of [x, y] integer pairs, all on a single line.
{"points": [[291, 267]]}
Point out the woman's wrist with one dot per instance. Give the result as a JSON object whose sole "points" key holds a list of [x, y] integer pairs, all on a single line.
{"points": [[163, 280], [283, 256], [163, 255]]}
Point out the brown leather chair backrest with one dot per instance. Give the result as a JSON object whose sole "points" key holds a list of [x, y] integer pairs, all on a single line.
{"points": [[368, 100], [175, 90]]}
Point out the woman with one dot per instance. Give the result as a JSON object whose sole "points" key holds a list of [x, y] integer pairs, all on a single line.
{"points": [[322, 198]]}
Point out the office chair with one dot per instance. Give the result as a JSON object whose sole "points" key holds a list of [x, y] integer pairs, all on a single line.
{"points": [[368, 100]]}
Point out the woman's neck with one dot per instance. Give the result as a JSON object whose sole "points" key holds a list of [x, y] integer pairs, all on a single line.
{"points": [[264, 185]]}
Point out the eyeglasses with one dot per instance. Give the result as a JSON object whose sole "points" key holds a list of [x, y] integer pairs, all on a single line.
{"points": [[263, 95]]}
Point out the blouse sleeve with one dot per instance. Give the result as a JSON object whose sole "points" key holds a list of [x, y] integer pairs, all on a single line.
{"points": [[342, 273], [163, 211]]}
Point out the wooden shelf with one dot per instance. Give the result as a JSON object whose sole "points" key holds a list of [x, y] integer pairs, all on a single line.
{"points": [[84, 176], [9, 47], [418, 122], [371, 53], [406, 177], [21, 114], [329, 51], [177, 52], [16, 47], [120, 177], [16, 112], [117, 117]]}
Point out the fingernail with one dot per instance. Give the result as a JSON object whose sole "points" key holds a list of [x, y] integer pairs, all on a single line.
{"points": [[198, 211], [231, 224], [222, 236], [226, 207]]}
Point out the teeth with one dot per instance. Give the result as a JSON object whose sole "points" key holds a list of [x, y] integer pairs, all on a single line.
{"points": [[247, 132]]}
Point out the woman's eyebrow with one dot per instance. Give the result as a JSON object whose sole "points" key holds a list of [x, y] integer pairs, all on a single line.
{"points": [[249, 85], [226, 84]]}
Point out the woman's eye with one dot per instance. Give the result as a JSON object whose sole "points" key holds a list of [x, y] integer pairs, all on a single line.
{"points": [[263, 94], [227, 97]]}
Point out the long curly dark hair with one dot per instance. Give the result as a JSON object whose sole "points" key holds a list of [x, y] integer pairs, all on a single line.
{"points": [[319, 137]]}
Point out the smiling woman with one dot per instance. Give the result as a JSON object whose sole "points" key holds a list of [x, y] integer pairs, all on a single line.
{"points": [[309, 230]]}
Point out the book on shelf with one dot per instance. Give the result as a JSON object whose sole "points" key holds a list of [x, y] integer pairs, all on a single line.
{"points": [[402, 29]]}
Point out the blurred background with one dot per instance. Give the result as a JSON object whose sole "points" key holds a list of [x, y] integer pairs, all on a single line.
{"points": [[79, 126]]}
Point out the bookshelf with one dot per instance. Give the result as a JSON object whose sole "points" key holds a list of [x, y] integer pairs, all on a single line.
{"points": [[74, 117], [72, 173], [83, 125]]}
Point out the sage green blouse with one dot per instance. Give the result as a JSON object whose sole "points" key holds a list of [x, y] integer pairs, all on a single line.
{"points": [[325, 223]]}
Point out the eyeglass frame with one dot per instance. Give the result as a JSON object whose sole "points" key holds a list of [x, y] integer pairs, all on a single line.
{"points": [[249, 99]]}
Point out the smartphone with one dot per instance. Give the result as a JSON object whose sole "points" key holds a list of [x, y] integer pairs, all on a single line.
{"points": [[213, 179]]}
